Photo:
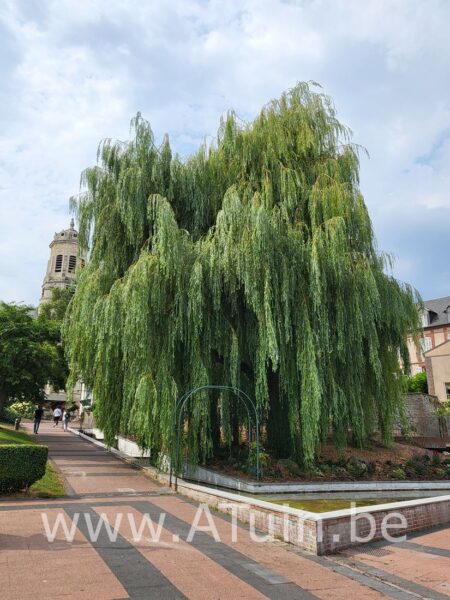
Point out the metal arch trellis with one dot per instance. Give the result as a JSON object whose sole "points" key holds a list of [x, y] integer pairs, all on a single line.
{"points": [[240, 394]]}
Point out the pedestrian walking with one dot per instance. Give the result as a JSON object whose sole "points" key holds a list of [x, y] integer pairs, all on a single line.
{"points": [[37, 418], [57, 414], [66, 419]]}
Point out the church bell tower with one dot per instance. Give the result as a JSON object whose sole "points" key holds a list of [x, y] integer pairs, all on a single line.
{"points": [[64, 257]]}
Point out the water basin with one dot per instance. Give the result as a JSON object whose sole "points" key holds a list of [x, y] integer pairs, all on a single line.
{"points": [[319, 505]]}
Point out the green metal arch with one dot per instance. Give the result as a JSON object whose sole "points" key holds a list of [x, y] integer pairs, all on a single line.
{"points": [[180, 404]]}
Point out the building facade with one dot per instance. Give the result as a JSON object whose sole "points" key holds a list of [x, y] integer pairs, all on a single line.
{"points": [[436, 330], [437, 365]]}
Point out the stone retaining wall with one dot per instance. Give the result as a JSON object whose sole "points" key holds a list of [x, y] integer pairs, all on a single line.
{"points": [[420, 413]]}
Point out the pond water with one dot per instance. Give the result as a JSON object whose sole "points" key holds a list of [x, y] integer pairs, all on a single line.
{"points": [[324, 505], [328, 501]]}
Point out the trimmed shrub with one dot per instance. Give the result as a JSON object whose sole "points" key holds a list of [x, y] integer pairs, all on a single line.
{"points": [[21, 465]]}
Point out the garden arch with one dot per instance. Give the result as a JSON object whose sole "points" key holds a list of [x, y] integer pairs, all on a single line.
{"points": [[180, 404]]}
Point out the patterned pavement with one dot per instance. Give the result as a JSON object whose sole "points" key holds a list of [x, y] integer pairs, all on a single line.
{"points": [[102, 488]]}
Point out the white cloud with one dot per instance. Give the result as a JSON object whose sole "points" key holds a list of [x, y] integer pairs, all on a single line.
{"points": [[74, 72]]}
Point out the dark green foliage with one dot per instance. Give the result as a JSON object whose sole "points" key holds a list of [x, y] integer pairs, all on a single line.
{"points": [[417, 383], [23, 409], [443, 410], [253, 264], [9, 415], [357, 468], [21, 465], [291, 467], [398, 473], [30, 355], [55, 308]]}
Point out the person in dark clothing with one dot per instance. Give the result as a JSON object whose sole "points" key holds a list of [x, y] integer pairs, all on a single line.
{"points": [[37, 418]]}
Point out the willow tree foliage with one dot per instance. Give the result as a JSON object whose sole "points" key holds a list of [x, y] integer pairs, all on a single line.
{"points": [[253, 264]]}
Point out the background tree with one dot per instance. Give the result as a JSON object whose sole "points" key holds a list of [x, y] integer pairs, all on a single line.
{"points": [[417, 383], [55, 308], [30, 355], [252, 263]]}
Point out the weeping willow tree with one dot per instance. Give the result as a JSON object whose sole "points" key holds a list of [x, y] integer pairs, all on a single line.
{"points": [[253, 264]]}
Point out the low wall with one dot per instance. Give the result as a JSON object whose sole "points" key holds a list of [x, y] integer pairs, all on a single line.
{"points": [[131, 448], [326, 533], [202, 475], [369, 523]]}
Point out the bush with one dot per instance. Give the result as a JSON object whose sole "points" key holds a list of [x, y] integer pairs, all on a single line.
{"points": [[24, 409], [443, 410], [8, 415], [436, 461], [356, 468], [417, 383], [264, 459], [291, 467], [398, 473], [21, 465], [438, 472], [341, 473]]}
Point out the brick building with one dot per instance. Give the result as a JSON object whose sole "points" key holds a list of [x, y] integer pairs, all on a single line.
{"points": [[436, 330], [437, 365]]}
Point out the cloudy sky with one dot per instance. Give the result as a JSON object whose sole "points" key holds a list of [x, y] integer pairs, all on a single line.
{"points": [[76, 71]]}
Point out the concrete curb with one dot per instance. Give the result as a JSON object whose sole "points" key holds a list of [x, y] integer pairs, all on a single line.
{"points": [[200, 475]]}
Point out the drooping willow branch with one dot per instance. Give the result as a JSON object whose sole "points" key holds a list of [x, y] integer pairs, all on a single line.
{"points": [[252, 263]]}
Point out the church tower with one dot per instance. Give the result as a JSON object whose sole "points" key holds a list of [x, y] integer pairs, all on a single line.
{"points": [[64, 256]]}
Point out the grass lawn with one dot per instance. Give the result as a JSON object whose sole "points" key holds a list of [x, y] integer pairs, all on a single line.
{"points": [[9, 436], [49, 486]]}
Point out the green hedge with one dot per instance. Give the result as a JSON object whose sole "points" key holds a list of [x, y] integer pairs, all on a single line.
{"points": [[21, 465]]}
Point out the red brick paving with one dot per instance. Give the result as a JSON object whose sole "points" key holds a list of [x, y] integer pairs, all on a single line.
{"points": [[310, 576], [428, 570], [196, 575], [31, 567]]}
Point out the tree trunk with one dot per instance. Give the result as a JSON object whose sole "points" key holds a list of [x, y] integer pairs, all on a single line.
{"points": [[3, 399], [278, 429]]}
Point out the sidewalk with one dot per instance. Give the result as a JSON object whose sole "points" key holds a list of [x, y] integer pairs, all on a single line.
{"points": [[32, 567]]}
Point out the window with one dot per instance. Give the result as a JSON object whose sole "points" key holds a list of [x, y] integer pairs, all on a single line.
{"points": [[72, 263], [424, 318], [58, 263], [447, 391], [426, 344]]}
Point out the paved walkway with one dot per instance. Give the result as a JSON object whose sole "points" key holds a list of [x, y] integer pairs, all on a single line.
{"points": [[97, 567]]}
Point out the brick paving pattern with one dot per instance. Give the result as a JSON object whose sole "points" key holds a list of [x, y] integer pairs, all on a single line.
{"points": [[95, 567]]}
